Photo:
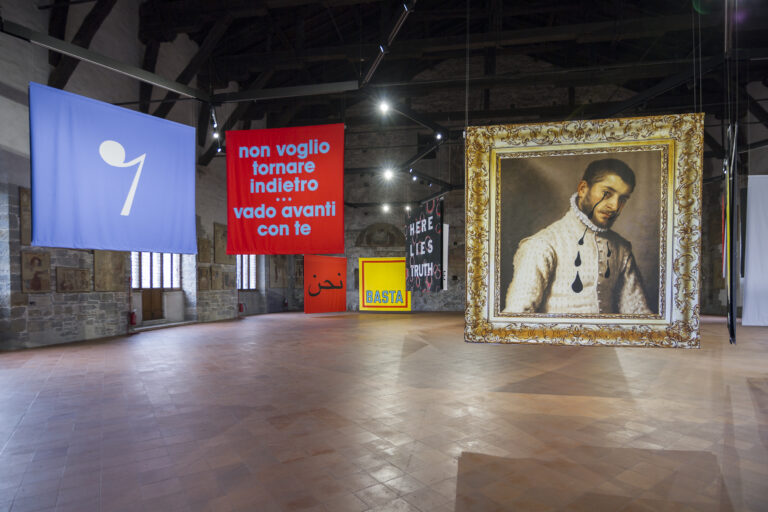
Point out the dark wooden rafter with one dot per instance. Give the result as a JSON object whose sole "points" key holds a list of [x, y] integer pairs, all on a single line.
{"points": [[454, 120], [284, 118], [333, 22], [660, 88], [489, 68], [151, 51], [592, 75], [237, 114], [558, 77], [203, 123], [189, 16], [420, 48], [57, 27], [755, 108], [495, 20], [523, 9], [61, 74], [714, 145], [196, 62], [275, 29]]}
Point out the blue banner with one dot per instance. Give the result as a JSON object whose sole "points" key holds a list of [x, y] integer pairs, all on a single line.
{"points": [[105, 177]]}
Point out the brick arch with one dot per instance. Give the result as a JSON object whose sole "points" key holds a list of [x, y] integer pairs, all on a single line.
{"points": [[381, 234]]}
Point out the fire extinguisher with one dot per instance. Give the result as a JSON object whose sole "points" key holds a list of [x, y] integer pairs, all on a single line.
{"points": [[241, 307], [132, 318]]}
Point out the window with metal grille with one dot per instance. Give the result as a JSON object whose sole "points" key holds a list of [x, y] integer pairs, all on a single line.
{"points": [[155, 270], [246, 272]]}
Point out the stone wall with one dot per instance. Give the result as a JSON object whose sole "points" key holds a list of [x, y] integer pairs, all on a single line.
{"points": [[50, 317], [216, 305], [5, 263]]}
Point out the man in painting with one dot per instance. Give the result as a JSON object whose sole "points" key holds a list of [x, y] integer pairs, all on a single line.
{"points": [[577, 265]]}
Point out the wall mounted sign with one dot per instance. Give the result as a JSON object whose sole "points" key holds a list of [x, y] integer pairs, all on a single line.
{"points": [[109, 271], [105, 177], [325, 284], [585, 232], [382, 285], [220, 254], [73, 280], [35, 272], [285, 190], [203, 278], [424, 247]]}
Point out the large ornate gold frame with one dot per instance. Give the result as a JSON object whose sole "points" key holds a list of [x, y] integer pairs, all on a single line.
{"points": [[680, 139]]}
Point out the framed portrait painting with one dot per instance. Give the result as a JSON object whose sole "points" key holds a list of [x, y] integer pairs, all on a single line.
{"points": [[585, 232]]}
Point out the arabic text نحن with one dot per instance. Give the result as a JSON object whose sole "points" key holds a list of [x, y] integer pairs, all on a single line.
{"points": [[325, 285]]}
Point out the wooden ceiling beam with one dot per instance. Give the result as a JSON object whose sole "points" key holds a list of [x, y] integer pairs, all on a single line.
{"points": [[61, 74], [421, 48], [755, 108], [187, 16], [195, 63], [151, 51], [454, 120], [236, 115], [57, 27]]}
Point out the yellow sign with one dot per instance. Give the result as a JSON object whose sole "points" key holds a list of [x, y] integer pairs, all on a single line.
{"points": [[382, 285]]}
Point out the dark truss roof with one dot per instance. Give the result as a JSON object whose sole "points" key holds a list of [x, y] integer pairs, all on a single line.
{"points": [[663, 53]]}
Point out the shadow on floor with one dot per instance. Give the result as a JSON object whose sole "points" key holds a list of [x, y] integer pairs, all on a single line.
{"points": [[593, 478], [758, 390]]}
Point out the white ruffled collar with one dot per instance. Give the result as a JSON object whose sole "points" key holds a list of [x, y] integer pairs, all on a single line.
{"points": [[583, 217]]}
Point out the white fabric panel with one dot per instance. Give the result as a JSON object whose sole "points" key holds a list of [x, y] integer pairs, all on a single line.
{"points": [[755, 311]]}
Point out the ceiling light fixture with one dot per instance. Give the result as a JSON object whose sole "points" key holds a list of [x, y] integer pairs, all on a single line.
{"points": [[388, 174], [215, 125], [213, 117]]}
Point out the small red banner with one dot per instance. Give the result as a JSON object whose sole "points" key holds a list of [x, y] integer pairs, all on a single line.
{"points": [[325, 284], [285, 190]]}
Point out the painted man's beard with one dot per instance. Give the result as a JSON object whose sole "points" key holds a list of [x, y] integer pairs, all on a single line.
{"points": [[600, 216]]}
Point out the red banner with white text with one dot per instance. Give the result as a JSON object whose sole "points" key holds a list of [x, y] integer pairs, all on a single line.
{"points": [[285, 190], [325, 284]]}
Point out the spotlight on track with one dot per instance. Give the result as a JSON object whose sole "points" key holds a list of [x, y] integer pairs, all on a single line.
{"points": [[388, 174], [383, 106]]}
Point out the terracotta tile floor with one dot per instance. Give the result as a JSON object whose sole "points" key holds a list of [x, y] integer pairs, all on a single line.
{"points": [[352, 412]]}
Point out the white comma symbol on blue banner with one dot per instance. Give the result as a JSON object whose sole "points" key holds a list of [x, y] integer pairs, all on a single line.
{"points": [[113, 153]]}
